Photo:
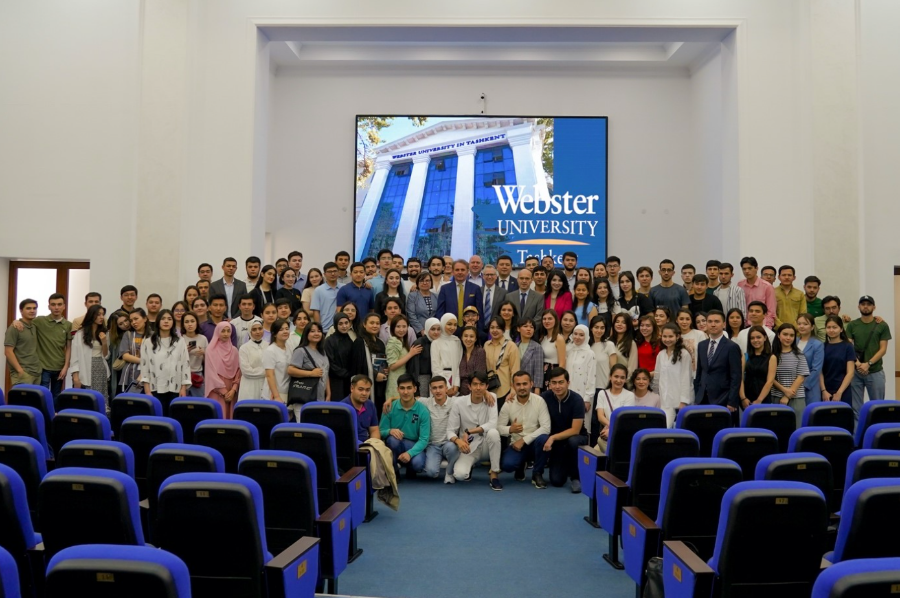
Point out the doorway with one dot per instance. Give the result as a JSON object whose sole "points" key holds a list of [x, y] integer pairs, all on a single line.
{"points": [[38, 280]]}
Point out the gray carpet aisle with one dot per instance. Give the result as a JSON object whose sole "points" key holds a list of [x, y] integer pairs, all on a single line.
{"points": [[467, 540]]}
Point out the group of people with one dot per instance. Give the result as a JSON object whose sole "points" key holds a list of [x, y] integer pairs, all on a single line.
{"points": [[487, 364]]}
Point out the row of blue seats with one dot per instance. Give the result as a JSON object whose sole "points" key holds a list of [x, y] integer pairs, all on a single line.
{"points": [[707, 422], [221, 526]]}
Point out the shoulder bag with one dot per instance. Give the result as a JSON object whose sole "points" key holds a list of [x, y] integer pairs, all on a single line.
{"points": [[493, 380], [303, 390]]}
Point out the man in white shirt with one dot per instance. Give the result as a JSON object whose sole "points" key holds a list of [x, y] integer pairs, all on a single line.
{"points": [[244, 322], [475, 266], [229, 287], [526, 421], [439, 448], [472, 427], [756, 314]]}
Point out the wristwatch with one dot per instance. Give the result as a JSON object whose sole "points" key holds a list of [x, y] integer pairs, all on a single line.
{"points": [[869, 363], [466, 431]]}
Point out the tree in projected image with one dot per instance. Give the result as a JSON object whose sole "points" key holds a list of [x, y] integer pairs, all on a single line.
{"points": [[368, 136]]}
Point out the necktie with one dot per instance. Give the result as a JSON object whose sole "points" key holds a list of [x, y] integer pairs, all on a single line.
{"points": [[487, 306], [459, 301], [712, 350], [522, 303], [503, 284]]}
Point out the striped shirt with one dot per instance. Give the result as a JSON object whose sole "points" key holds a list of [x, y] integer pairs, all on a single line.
{"points": [[790, 366], [732, 297]]}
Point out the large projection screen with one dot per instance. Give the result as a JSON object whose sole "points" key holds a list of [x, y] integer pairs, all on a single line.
{"points": [[485, 185]]}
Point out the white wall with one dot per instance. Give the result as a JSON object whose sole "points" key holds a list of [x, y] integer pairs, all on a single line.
{"points": [[879, 96], [68, 134], [652, 185]]}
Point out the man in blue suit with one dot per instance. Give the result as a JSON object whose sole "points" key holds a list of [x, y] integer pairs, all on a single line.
{"points": [[718, 380], [450, 293]]}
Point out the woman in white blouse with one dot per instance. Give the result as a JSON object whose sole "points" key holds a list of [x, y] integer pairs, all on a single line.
{"points": [[610, 399], [253, 374], [165, 369], [604, 351], [690, 337], [446, 353], [276, 359], [582, 367], [673, 373], [90, 350]]}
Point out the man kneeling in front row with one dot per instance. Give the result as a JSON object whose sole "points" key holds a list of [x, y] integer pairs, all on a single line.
{"points": [[472, 427], [406, 428], [527, 423]]}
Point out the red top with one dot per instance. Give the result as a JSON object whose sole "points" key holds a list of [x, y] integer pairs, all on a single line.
{"points": [[563, 303], [647, 356]]}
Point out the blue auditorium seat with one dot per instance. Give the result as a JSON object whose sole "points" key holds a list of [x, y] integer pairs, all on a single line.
{"points": [[705, 421], [860, 578], [882, 436], [97, 454], [869, 523], [78, 424], [264, 414], [863, 464], [129, 404], [144, 432], [745, 446], [189, 411], [80, 398], [835, 414], [17, 535], [876, 412], [26, 456], [230, 437], [780, 419], [833, 443], [18, 420], [9, 576]]}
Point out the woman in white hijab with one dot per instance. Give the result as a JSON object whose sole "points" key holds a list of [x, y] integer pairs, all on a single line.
{"points": [[582, 367], [446, 353]]}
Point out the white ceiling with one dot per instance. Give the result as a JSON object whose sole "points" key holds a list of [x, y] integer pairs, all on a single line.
{"points": [[331, 48]]}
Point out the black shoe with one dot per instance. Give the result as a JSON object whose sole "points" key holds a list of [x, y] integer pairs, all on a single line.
{"points": [[576, 486], [537, 480], [529, 465], [520, 473], [496, 485]]}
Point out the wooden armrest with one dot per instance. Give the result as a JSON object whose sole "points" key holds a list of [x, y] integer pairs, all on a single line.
{"points": [[144, 504], [641, 518], [362, 457], [350, 474], [688, 557], [293, 552], [824, 564], [588, 448], [612, 480], [332, 513]]}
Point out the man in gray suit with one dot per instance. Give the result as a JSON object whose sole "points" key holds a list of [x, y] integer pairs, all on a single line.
{"points": [[491, 295], [230, 287], [529, 303]]}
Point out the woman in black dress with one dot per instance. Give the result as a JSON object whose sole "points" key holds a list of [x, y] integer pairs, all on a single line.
{"points": [[760, 366], [339, 350]]}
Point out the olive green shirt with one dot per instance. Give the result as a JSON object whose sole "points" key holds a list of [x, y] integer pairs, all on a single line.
{"points": [[52, 337], [24, 346], [867, 339]]}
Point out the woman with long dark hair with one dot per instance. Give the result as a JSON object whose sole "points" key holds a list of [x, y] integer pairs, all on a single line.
{"points": [[760, 367], [264, 292], [398, 353], [838, 366], [276, 358], [393, 289], [557, 296], [792, 370], [473, 359], [622, 336], [287, 290], [606, 303], [630, 300], [313, 279], [674, 373], [584, 308], [552, 342], [647, 341], [165, 367], [734, 323], [130, 351], [90, 351]]}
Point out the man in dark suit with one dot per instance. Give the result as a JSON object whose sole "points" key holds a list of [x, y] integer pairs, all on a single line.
{"points": [[718, 380], [448, 297], [529, 303], [492, 295], [506, 280], [230, 288]]}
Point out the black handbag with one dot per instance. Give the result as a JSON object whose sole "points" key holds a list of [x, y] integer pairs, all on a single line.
{"points": [[303, 390], [654, 586], [493, 380]]}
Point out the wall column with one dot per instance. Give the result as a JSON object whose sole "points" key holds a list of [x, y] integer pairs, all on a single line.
{"points": [[370, 205], [462, 241], [520, 140], [412, 207]]}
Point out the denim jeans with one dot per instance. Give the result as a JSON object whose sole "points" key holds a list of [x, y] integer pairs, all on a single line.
{"points": [[513, 459], [435, 453], [50, 380], [873, 384], [398, 447]]}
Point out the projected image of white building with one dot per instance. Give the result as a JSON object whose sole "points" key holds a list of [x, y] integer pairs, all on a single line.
{"points": [[420, 198]]}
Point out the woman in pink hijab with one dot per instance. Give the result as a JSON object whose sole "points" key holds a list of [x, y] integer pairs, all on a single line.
{"points": [[222, 369]]}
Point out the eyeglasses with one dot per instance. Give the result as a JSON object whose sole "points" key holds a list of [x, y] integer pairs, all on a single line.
{"points": [[667, 269]]}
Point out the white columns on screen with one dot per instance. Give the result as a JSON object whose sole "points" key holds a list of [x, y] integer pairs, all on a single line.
{"points": [[461, 245], [523, 158], [412, 207], [370, 205]]}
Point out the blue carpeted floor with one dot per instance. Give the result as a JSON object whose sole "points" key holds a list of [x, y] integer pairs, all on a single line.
{"points": [[467, 540]]}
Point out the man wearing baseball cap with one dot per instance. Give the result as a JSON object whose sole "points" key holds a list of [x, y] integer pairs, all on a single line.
{"points": [[870, 341]]}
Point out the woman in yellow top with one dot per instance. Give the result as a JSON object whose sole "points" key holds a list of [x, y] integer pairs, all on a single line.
{"points": [[502, 357]]}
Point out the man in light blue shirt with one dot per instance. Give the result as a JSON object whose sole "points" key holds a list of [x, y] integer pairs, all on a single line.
{"points": [[385, 263], [324, 301]]}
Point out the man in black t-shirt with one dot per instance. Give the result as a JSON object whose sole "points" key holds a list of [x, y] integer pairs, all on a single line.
{"points": [[566, 429], [700, 301]]}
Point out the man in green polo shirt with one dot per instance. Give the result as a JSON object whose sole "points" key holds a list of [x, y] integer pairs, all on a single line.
{"points": [[54, 344], [870, 341], [20, 346], [406, 428]]}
